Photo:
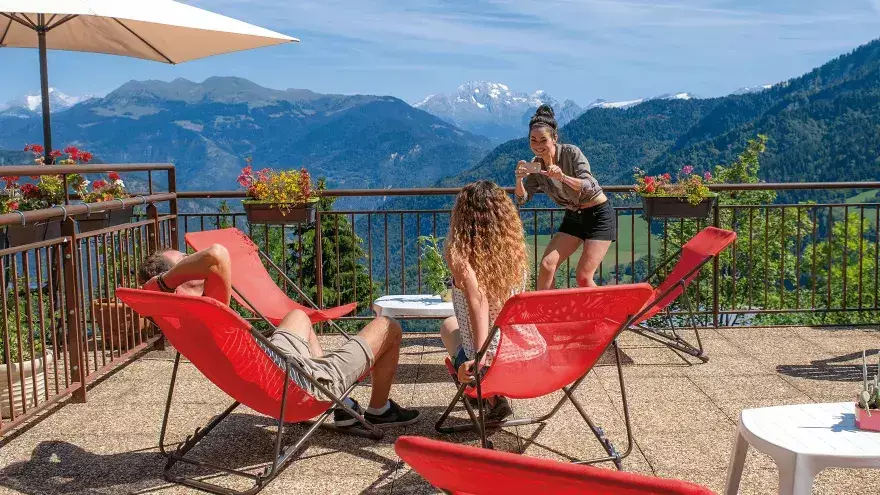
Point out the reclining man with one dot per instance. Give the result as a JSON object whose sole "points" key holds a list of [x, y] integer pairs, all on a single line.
{"points": [[208, 273]]}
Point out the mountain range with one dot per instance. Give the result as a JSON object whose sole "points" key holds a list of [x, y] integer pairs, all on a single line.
{"points": [[207, 129], [821, 126]]}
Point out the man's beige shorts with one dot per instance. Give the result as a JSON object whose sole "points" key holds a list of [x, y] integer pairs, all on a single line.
{"points": [[336, 370]]}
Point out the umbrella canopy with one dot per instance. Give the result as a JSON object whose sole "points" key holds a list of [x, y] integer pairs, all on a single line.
{"points": [[160, 30]]}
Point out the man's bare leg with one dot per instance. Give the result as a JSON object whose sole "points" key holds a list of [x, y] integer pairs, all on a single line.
{"points": [[298, 323], [384, 336]]}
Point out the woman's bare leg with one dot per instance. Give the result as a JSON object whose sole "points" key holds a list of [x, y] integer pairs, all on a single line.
{"points": [[449, 334], [593, 254], [561, 246]]}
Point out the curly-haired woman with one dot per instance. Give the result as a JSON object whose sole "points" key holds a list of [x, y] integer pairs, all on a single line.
{"points": [[562, 172], [486, 253]]}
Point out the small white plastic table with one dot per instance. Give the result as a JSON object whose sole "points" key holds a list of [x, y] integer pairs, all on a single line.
{"points": [[413, 306], [803, 440]]}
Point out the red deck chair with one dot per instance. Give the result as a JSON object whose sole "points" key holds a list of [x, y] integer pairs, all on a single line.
{"points": [[245, 365], [549, 341], [701, 249], [464, 470], [252, 285]]}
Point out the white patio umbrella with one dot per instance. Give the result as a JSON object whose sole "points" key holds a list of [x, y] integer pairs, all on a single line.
{"points": [[160, 30]]}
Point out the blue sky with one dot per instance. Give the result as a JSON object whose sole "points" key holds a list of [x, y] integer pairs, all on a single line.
{"points": [[578, 49]]}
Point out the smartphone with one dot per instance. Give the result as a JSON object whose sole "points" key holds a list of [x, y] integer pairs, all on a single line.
{"points": [[533, 167]]}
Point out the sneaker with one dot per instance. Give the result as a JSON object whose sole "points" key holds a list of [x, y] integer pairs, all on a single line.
{"points": [[394, 416], [342, 419], [500, 411]]}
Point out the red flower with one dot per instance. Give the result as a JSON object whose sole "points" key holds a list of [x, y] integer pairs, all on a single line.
{"points": [[84, 156], [55, 154], [667, 177], [113, 176], [72, 151], [12, 206], [35, 177], [650, 188], [29, 190], [10, 180], [649, 181], [99, 184], [34, 148]]}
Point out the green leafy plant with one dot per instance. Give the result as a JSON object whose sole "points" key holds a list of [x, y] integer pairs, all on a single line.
{"points": [[869, 397], [688, 185], [437, 274]]}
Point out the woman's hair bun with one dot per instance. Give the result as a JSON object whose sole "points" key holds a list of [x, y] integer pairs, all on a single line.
{"points": [[543, 118], [544, 110]]}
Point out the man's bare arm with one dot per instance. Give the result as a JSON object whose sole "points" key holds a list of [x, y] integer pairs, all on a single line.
{"points": [[212, 265]]}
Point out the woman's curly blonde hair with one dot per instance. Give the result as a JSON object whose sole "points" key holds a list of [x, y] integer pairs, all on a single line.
{"points": [[486, 232]]}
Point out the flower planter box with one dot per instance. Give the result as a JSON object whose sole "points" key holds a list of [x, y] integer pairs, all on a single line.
{"points": [[104, 219], [19, 235], [280, 213], [865, 422], [675, 207], [119, 327], [34, 373]]}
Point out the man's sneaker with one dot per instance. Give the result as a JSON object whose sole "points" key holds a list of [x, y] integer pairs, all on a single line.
{"points": [[342, 419], [394, 416]]}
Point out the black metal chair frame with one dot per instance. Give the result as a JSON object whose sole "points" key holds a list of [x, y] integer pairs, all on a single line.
{"points": [[478, 421], [283, 455], [670, 337]]}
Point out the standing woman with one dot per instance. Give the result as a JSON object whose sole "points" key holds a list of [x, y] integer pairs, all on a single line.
{"points": [[562, 172]]}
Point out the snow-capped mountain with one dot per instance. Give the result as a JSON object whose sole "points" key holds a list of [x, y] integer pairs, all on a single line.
{"points": [[29, 104], [751, 89], [493, 109], [600, 103]]}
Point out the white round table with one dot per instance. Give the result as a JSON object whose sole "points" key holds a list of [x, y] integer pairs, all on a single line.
{"points": [[413, 306], [803, 440]]}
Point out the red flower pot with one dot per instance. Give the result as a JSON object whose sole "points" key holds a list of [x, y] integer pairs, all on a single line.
{"points": [[865, 422]]}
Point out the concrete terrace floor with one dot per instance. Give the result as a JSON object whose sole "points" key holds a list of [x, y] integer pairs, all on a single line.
{"points": [[684, 416]]}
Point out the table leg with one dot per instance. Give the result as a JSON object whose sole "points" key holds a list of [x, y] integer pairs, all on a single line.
{"points": [[737, 462], [796, 475]]}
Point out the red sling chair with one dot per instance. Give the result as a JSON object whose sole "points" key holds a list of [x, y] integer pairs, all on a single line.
{"points": [[246, 366], [252, 285], [701, 249], [464, 470], [549, 341]]}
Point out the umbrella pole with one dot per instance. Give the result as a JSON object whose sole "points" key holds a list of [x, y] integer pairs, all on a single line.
{"points": [[44, 88]]}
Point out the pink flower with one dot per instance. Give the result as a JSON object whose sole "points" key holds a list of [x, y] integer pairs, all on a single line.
{"points": [[687, 170], [707, 176]]}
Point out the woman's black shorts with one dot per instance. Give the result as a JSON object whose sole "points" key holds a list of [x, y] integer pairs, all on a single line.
{"points": [[596, 223]]}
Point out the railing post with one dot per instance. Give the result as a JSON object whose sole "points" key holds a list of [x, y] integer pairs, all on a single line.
{"points": [[153, 228], [319, 261], [172, 205], [716, 275], [72, 292]]}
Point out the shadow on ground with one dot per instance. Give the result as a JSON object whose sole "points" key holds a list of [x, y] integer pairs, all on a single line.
{"points": [[827, 370]]}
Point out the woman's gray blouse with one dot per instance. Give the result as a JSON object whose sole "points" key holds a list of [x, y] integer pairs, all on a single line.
{"points": [[573, 164]]}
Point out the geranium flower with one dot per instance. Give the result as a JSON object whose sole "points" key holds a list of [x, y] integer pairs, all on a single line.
{"points": [[650, 188], [99, 184], [84, 156], [113, 176], [667, 177], [12, 206], [34, 148], [649, 180], [55, 153], [72, 151], [10, 180], [687, 170], [707, 176], [29, 189]]}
